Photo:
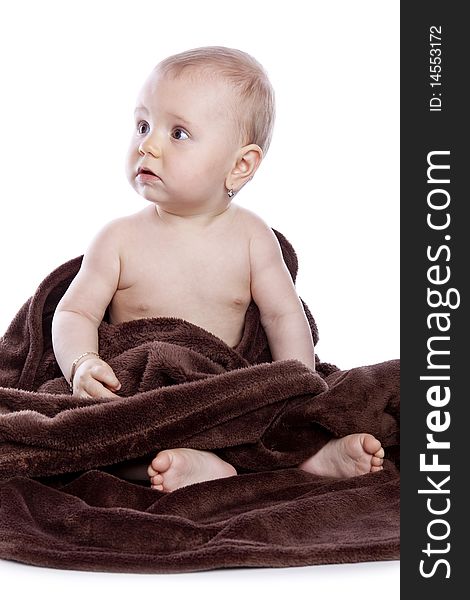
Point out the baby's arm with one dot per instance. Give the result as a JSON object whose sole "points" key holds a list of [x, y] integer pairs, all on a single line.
{"points": [[81, 310], [281, 311]]}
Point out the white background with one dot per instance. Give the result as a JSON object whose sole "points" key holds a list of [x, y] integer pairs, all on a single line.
{"points": [[71, 73]]}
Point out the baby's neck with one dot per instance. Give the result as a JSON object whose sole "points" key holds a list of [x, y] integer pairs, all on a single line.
{"points": [[199, 220]]}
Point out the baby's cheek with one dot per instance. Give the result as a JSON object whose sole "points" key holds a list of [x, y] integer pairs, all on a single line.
{"points": [[131, 180], [131, 159], [195, 178], [130, 170], [213, 170]]}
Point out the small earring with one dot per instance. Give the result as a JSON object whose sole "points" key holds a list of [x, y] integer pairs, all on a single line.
{"points": [[230, 193]]}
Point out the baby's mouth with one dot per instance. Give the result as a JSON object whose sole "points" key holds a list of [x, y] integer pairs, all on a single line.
{"points": [[145, 173]]}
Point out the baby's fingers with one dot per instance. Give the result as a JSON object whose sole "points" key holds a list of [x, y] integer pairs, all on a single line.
{"points": [[95, 389], [105, 374]]}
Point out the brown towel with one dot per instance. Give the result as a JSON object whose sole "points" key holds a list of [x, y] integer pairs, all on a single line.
{"points": [[184, 387]]}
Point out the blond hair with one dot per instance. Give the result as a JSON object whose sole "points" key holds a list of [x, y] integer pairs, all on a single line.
{"points": [[254, 101]]}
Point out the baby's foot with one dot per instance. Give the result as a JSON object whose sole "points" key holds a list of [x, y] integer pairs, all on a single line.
{"points": [[352, 455], [172, 469]]}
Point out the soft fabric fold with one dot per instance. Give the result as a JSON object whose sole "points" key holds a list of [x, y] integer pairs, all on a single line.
{"points": [[63, 505]]}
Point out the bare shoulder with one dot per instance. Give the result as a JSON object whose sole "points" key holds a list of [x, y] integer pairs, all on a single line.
{"points": [[98, 277], [109, 243], [117, 231], [254, 224], [262, 237], [128, 222]]}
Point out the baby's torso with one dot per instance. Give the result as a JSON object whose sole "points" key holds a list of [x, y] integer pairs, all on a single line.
{"points": [[203, 278]]}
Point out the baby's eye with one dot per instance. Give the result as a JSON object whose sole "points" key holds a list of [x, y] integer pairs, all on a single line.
{"points": [[178, 133], [139, 124]]}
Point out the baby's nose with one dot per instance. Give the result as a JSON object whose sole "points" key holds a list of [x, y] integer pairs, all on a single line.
{"points": [[150, 146]]}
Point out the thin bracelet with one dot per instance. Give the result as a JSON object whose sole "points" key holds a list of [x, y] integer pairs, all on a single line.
{"points": [[74, 365]]}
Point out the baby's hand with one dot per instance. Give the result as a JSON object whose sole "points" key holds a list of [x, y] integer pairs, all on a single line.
{"points": [[92, 376]]}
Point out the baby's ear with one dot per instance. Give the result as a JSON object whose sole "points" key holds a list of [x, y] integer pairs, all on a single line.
{"points": [[246, 165], [253, 155]]}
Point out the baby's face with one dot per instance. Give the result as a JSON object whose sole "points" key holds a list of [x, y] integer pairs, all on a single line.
{"points": [[185, 134]]}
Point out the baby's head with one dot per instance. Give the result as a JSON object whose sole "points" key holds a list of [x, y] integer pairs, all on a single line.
{"points": [[204, 121]]}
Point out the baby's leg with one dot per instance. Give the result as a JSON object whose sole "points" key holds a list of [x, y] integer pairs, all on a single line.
{"points": [[172, 469], [355, 454]]}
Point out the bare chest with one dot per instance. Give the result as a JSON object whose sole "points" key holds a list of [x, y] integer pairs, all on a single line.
{"points": [[203, 280]]}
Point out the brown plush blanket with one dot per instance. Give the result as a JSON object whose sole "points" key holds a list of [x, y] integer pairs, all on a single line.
{"points": [[62, 506]]}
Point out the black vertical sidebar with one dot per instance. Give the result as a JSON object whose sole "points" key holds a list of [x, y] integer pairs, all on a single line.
{"points": [[435, 330]]}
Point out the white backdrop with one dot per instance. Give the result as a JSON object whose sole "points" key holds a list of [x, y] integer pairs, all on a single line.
{"points": [[71, 72]]}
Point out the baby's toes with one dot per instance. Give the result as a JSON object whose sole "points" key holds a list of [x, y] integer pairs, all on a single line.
{"points": [[151, 471], [380, 453], [156, 480], [375, 469], [162, 462], [376, 462]]}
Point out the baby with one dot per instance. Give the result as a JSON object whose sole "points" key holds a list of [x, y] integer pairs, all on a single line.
{"points": [[203, 124]]}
